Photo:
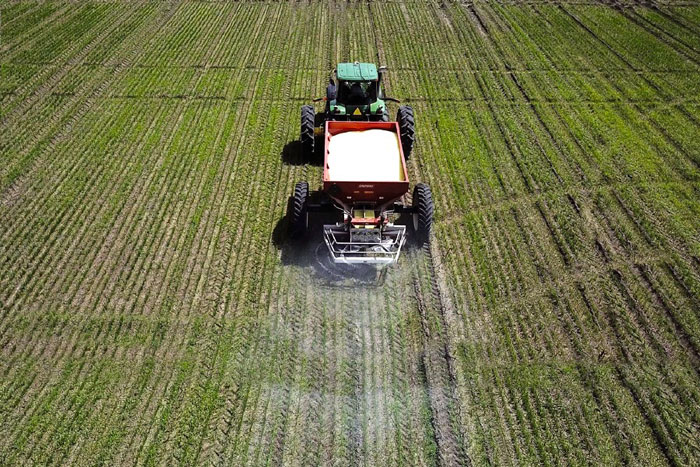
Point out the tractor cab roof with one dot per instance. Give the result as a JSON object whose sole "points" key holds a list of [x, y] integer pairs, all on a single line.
{"points": [[357, 72]]}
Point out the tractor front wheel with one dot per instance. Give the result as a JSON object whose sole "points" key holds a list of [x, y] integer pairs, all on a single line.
{"points": [[423, 210], [308, 116], [299, 213], [407, 127]]}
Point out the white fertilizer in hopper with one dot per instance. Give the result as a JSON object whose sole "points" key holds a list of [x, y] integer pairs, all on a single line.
{"points": [[365, 156]]}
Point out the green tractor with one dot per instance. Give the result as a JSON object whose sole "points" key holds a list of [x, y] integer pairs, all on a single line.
{"points": [[356, 93]]}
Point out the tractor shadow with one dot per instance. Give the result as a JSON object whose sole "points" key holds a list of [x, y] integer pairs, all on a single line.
{"points": [[293, 154]]}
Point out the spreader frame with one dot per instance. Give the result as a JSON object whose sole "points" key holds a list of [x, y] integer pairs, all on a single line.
{"points": [[345, 248]]}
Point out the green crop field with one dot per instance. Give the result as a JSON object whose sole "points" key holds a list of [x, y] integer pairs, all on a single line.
{"points": [[152, 310]]}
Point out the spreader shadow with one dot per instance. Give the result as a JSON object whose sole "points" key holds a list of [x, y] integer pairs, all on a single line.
{"points": [[310, 252]]}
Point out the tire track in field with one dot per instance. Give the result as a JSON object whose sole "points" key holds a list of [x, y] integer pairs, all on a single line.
{"points": [[303, 414], [247, 199], [440, 373], [677, 19], [359, 392], [261, 389], [620, 325], [286, 322], [621, 91], [669, 140], [438, 361], [686, 338], [448, 459], [345, 405], [319, 374], [470, 307], [510, 329], [639, 109], [348, 403]]}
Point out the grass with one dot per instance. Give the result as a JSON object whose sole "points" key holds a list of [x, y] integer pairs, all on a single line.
{"points": [[152, 312]]}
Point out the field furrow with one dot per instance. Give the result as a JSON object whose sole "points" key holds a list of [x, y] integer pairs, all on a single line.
{"points": [[154, 310]]}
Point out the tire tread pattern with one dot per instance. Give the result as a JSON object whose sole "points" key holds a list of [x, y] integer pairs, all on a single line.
{"points": [[297, 222], [308, 116], [423, 206], [407, 128]]}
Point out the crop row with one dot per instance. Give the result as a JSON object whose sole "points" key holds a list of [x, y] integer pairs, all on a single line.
{"points": [[560, 180], [152, 308]]}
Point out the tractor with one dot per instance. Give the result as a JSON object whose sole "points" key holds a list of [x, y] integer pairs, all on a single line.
{"points": [[355, 93], [365, 175]]}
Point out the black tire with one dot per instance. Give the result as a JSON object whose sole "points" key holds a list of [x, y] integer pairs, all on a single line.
{"points": [[299, 213], [308, 116], [407, 128], [423, 210]]}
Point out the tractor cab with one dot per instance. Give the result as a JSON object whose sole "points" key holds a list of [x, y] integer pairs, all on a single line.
{"points": [[356, 93]]}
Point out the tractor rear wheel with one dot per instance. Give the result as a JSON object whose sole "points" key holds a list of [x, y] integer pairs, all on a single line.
{"points": [[423, 211], [299, 213], [407, 127], [307, 131]]}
